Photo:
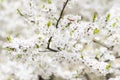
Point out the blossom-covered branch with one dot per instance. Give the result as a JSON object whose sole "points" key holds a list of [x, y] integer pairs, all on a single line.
{"points": [[61, 13], [48, 45]]}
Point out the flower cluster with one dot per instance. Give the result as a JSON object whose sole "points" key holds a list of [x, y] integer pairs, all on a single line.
{"points": [[54, 39]]}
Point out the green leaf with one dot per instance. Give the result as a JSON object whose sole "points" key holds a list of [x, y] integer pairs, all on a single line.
{"points": [[19, 56], [40, 38], [82, 56], [108, 66], [10, 49], [114, 24], [71, 32], [96, 57], [81, 50], [49, 2], [43, 6], [94, 16], [37, 46], [74, 45], [96, 31], [9, 39], [68, 25], [107, 17], [48, 24], [19, 12]]}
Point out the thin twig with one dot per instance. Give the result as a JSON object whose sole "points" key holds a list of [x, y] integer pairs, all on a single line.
{"points": [[104, 45], [48, 46], [45, 51], [61, 13], [20, 13]]}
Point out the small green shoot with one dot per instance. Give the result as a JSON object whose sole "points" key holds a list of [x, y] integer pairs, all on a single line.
{"points": [[82, 56], [96, 31], [9, 39], [94, 17], [40, 38], [37, 46], [114, 24], [107, 17], [108, 66], [19, 56], [71, 32], [19, 12], [96, 57], [49, 2], [68, 25], [48, 24], [10, 49], [43, 6]]}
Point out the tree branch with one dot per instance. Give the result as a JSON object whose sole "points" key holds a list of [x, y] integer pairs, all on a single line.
{"points": [[48, 46], [61, 13], [104, 45]]}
